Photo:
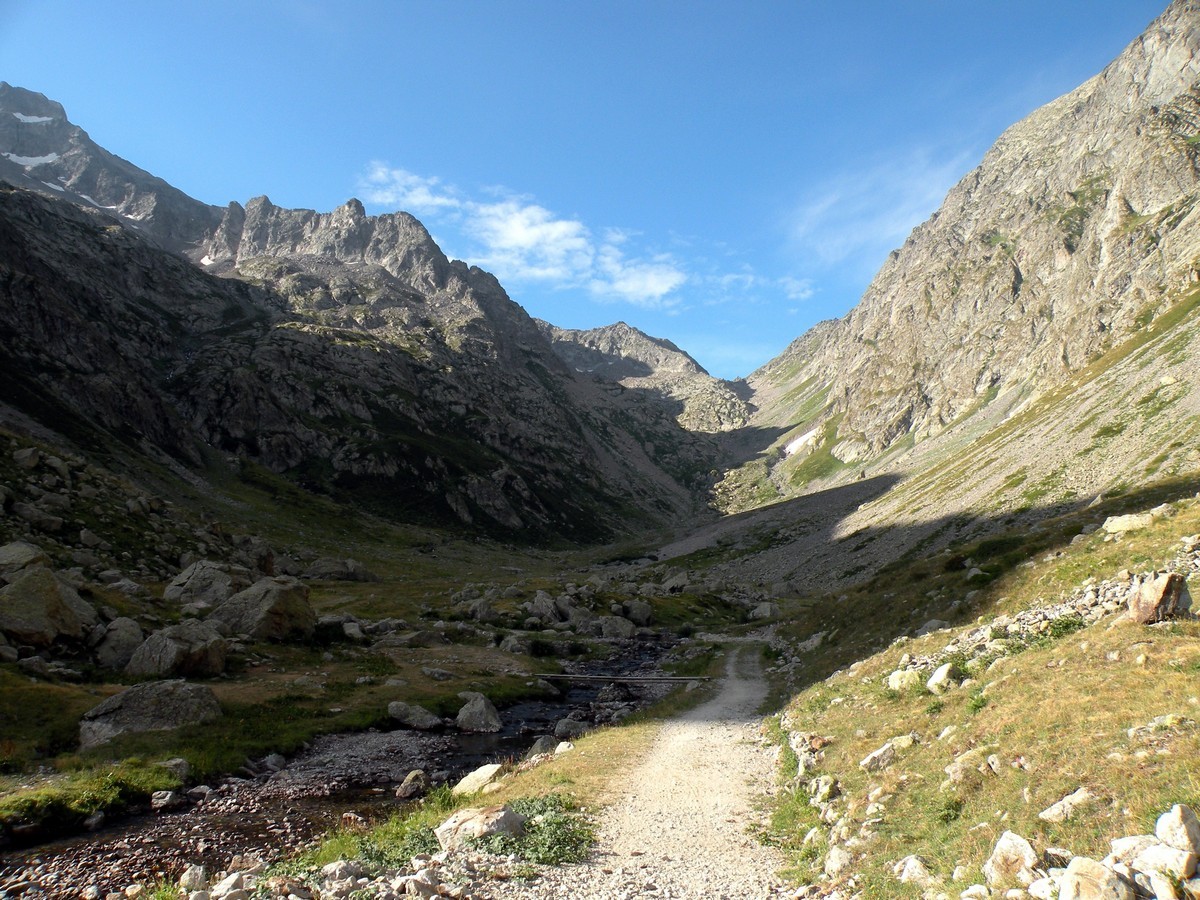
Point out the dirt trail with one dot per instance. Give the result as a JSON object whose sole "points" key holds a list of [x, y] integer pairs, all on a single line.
{"points": [[679, 829]]}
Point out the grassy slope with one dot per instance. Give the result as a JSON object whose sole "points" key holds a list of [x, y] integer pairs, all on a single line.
{"points": [[1057, 715]]}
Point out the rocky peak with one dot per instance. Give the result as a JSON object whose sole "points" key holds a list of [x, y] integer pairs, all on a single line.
{"points": [[623, 354], [1078, 226], [42, 151]]}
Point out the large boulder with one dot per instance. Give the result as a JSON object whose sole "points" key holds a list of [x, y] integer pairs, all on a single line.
{"points": [[190, 648], [639, 612], [272, 609], [122, 637], [20, 555], [412, 715], [204, 584], [1086, 879], [329, 569], [1159, 598], [616, 627], [39, 608], [470, 824], [478, 714], [1013, 861], [153, 706], [477, 780]]}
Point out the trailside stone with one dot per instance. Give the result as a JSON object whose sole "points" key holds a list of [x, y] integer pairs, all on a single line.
{"points": [[39, 608], [122, 637], [190, 648], [272, 609], [478, 714], [1013, 861], [412, 715], [153, 706], [765, 610], [1163, 597], [475, 781], [1086, 879], [570, 729], [474, 823], [543, 745], [1178, 827]]}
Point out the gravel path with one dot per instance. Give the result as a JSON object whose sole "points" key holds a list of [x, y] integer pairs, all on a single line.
{"points": [[680, 827]]}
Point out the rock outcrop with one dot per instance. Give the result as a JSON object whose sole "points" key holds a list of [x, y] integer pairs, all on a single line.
{"points": [[153, 706]]}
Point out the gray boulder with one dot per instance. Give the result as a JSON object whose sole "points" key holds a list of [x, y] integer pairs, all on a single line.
{"points": [[190, 648], [153, 706], [39, 608], [20, 555], [122, 637], [616, 627], [570, 729], [329, 569], [412, 715], [272, 609], [639, 612], [203, 584], [478, 714]]}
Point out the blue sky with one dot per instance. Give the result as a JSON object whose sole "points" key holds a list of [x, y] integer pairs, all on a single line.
{"points": [[722, 174]]}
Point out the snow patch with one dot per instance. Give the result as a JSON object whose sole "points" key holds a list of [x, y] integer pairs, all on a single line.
{"points": [[804, 442], [207, 260], [33, 119], [31, 160], [53, 186], [95, 202]]}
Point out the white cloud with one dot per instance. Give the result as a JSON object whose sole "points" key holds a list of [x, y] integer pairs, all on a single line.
{"points": [[405, 190], [526, 241], [645, 283], [520, 240], [858, 216]]}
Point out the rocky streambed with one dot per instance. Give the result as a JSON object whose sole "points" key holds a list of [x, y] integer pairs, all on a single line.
{"points": [[276, 806]]}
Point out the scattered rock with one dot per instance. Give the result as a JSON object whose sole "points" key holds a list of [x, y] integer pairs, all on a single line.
{"points": [[1164, 596], [272, 609], [473, 823], [478, 714], [1013, 861], [1066, 807], [192, 648], [412, 715], [153, 706], [39, 608], [476, 780]]}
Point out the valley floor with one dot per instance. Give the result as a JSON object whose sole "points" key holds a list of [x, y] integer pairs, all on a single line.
{"points": [[679, 824]]}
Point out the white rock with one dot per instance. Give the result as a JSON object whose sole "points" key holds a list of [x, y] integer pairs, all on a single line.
{"points": [[477, 779], [1013, 861], [942, 679], [912, 870], [1179, 828], [903, 680], [879, 759], [1166, 860], [838, 862], [477, 823], [1066, 807], [1086, 879]]}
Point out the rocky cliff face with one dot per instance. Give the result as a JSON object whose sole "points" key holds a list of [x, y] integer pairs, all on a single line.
{"points": [[341, 349], [622, 354], [1077, 229], [44, 152]]}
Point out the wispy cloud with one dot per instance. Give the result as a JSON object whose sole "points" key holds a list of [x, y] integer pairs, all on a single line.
{"points": [[855, 218], [521, 241]]}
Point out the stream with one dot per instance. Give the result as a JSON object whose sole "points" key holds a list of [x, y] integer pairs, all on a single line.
{"points": [[276, 813]]}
